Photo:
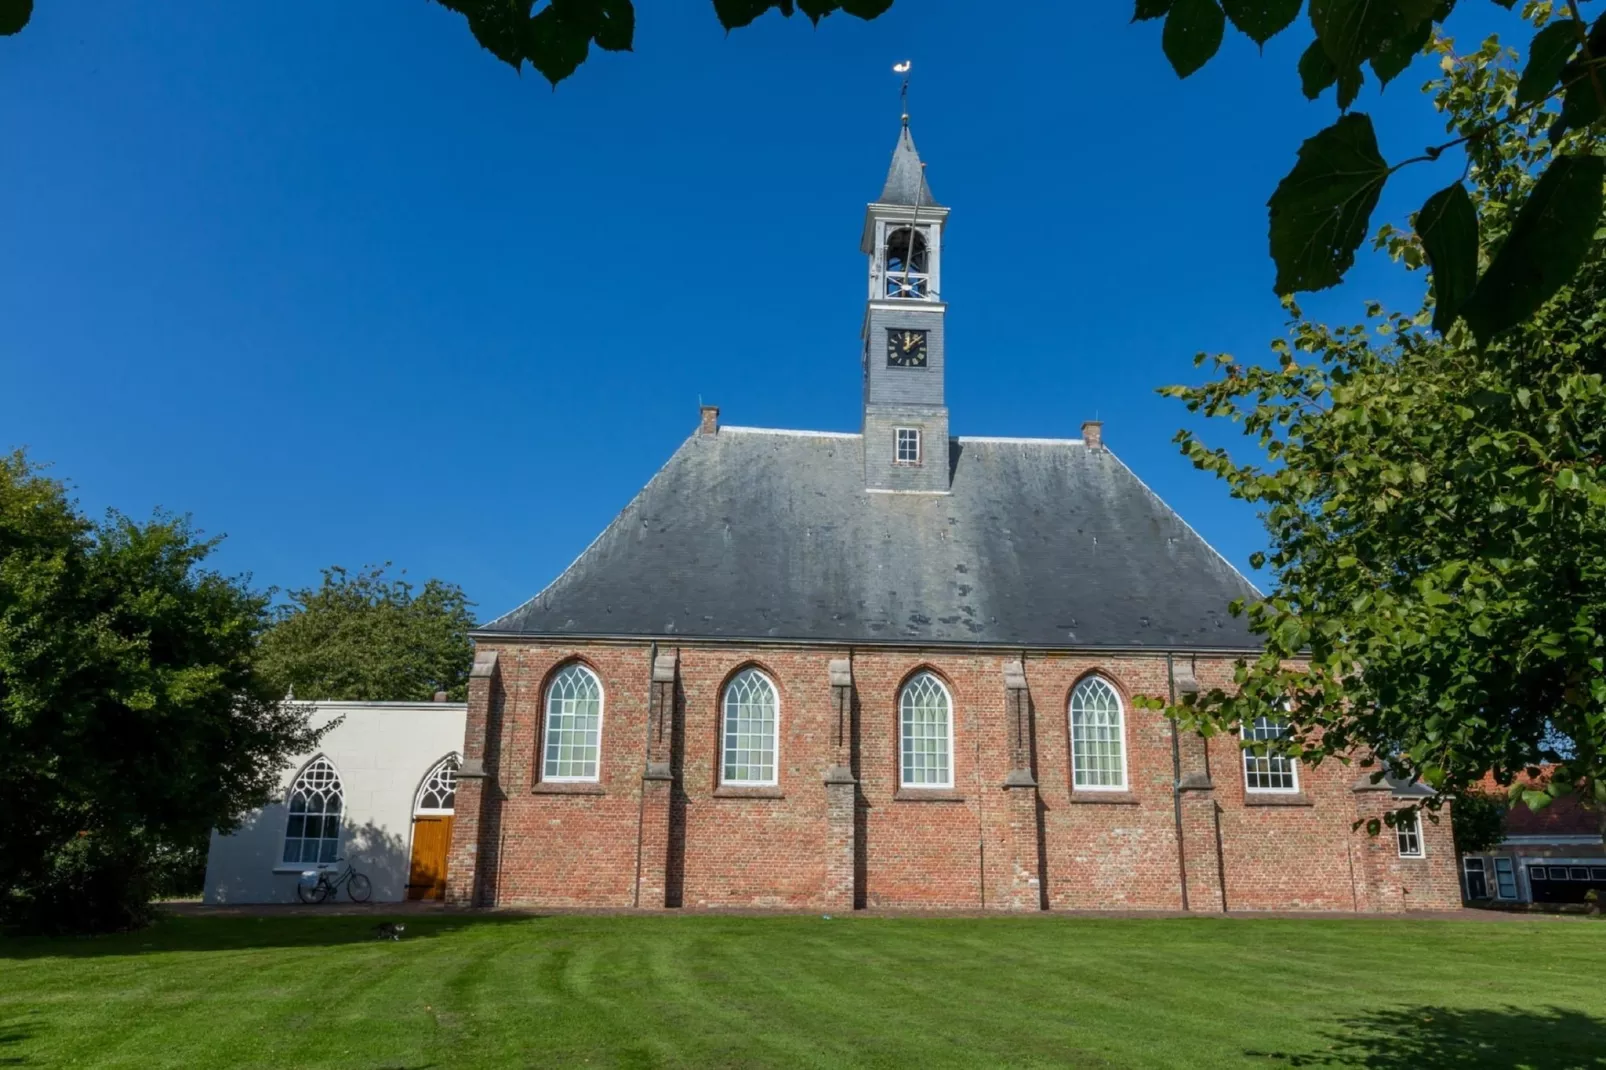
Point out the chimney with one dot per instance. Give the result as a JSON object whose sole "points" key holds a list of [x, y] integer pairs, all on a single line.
{"points": [[440, 696], [1093, 434], [710, 425]]}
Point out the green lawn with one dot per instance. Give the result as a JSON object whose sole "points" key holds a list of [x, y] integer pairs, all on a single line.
{"points": [[712, 991]]}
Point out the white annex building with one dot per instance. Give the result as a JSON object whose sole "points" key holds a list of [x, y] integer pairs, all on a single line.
{"points": [[379, 793]]}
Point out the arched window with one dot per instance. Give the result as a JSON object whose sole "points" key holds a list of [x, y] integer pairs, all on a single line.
{"points": [[573, 725], [438, 795], [312, 833], [908, 263], [751, 716], [1098, 742], [925, 715]]}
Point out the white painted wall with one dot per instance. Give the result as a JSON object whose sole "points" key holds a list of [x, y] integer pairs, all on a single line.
{"points": [[382, 751]]}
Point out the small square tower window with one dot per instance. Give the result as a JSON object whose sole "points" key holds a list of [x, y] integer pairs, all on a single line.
{"points": [[908, 445]]}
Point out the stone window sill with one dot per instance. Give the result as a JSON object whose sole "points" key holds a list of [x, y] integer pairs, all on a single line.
{"points": [[567, 788], [1276, 798], [757, 792], [927, 795], [1108, 798]]}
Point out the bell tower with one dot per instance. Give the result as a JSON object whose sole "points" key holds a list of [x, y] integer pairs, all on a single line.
{"points": [[905, 420]]}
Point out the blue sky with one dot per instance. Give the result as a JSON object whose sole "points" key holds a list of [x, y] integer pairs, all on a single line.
{"points": [[334, 281]]}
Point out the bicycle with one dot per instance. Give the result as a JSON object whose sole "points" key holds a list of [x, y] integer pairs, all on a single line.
{"points": [[357, 886]]}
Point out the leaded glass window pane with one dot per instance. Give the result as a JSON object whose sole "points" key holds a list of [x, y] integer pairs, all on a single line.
{"points": [[439, 793], [908, 451], [926, 718], [750, 729], [573, 725], [1267, 771], [312, 832], [1098, 758]]}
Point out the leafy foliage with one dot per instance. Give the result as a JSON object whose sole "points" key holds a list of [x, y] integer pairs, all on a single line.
{"points": [[132, 716], [366, 637], [1322, 210], [556, 39], [1480, 821], [1437, 504]]}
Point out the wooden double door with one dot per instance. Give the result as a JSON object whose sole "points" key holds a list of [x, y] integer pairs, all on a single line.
{"points": [[432, 839]]}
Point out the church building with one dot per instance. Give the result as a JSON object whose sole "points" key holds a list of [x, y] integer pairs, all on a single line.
{"points": [[898, 668]]}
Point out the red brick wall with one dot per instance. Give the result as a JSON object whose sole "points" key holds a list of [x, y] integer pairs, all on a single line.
{"points": [[964, 848]]}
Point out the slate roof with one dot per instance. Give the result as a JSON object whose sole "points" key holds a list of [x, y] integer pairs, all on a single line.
{"points": [[906, 178], [753, 534]]}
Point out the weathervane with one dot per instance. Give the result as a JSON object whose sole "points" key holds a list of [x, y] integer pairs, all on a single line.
{"points": [[903, 95]]}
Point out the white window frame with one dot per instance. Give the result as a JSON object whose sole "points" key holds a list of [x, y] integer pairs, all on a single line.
{"points": [[724, 728], [1466, 877], [948, 698], [546, 725], [898, 434], [452, 762], [1120, 733], [338, 788], [1251, 756], [1414, 831]]}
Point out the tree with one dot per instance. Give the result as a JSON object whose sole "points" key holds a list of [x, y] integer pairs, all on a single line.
{"points": [[133, 719], [1436, 506], [1480, 821], [365, 637]]}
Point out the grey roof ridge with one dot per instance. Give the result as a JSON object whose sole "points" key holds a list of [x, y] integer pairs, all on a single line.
{"points": [[1011, 439], [789, 431], [490, 625], [1191, 530]]}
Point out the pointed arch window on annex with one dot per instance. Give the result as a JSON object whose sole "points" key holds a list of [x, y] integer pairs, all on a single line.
{"points": [[572, 749], [1268, 770], [316, 803], [926, 728], [438, 794], [752, 720], [908, 272], [1098, 737]]}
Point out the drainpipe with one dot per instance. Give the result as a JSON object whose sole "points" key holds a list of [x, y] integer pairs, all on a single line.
{"points": [[1176, 778], [641, 800]]}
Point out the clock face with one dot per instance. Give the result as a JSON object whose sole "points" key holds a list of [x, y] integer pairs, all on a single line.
{"points": [[906, 348]]}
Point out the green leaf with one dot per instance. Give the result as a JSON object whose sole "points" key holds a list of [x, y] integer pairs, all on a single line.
{"points": [[1350, 80], [1321, 211], [1397, 52], [1261, 20], [1355, 31], [1316, 71], [1150, 9], [1547, 244], [14, 15], [1448, 227], [1193, 32], [1581, 105], [1552, 47], [734, 14]]}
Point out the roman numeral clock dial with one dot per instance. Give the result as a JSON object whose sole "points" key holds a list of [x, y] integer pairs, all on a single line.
{"points": [[906, 348]]}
